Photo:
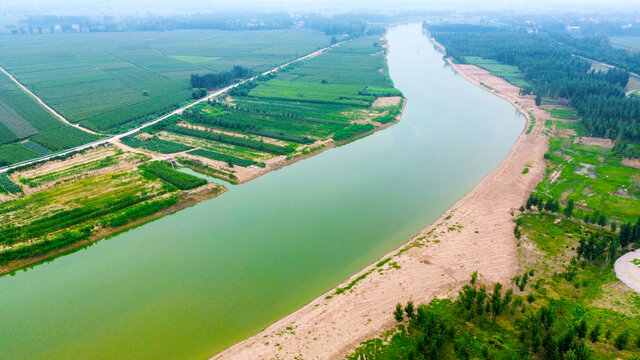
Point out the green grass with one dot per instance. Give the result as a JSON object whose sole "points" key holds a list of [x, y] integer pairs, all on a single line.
{"points": [[629, 43], [532, 123], [507, 72], [167, 173], [313, 92], [155, 144], [612, 190], [564, 114], [64, 138], [231, 160], [8, 186]]}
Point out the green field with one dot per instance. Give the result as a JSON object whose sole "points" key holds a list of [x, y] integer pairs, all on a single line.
{"points": [[507, 72], [81, 196], [629, 43], [564, 114], [593, 177], [28, 130], [285, 114], [108, 81]]}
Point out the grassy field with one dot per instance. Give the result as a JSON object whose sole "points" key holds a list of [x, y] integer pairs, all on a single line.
{"points": [[564, 114], [107, 81], [593, 177], [288, 114], [507, 72], [629, 43], [28, 130], [64, 202]]}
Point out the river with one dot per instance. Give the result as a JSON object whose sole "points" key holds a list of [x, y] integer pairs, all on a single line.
{"points": [[193, 283]]}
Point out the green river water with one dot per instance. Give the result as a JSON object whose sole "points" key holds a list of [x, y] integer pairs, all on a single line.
{"points": [[193, 283]]}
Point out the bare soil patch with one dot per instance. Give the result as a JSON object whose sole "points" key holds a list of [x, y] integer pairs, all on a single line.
{"points": [[634, 163], [587, 169], [387, 101], [584, 140]]}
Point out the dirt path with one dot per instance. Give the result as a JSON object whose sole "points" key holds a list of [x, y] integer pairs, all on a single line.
{"points": [[475, 234], [44, 105]]}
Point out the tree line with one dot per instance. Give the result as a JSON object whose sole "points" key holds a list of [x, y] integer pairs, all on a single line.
{"points": [[220, 79], [552, 70]]}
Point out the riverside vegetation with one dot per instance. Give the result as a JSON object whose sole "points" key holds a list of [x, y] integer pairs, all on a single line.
{"points": [[300, 110], [565, 302], [54, 206], [111, 82]]}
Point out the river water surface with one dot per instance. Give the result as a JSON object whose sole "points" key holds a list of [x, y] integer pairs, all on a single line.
{"points": [[193, 283]]}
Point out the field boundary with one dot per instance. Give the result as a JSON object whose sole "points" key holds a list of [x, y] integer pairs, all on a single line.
{"points": [[115, 138], [44, 105]]}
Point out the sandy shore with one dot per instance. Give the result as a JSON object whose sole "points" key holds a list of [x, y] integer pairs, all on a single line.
{"points": [[627, 271], [474, 234]]}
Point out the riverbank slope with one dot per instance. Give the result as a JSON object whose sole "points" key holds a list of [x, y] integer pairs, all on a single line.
{"points": [[476, 233]]}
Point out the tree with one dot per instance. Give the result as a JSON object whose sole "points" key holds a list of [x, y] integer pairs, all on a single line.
{"points": [[410, 309], [622, 340], [595, 333], [581, 329], [496, 299], [568, 211], [625, 236], [398, 314], [613, 249], [463, 346], [538, 100]]}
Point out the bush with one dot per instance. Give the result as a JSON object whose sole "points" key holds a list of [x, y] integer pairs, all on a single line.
{"points": [[230, 160], [167, 173], [622, 340]]}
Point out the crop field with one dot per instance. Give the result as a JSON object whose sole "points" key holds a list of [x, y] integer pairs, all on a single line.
{"points": [[107, 81], [294, 112], [629, 43], [593, 177], [507, 72], [28, 130], [155, 144], [70, 200]]}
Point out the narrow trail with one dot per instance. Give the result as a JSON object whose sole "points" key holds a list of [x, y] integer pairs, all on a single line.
{"points": [[44, 105], [111, 139]]}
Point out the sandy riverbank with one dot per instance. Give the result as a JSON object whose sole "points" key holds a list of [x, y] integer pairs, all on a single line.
{"points": [[476, 233]]}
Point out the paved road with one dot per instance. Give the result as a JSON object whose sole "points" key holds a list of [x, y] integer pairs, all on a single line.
{"points": [[150, 123]]}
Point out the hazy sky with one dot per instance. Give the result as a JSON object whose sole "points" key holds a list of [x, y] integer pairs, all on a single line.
{"points": [[116, 7]]}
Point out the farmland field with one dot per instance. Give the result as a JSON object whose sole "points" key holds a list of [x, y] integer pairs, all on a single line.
{"points": [[299, 110], [629, 43], [61, 203], [109, 81], [28, 130]]}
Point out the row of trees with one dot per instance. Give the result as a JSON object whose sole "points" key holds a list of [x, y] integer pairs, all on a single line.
{"points": [[217, 80], [552, 70]]}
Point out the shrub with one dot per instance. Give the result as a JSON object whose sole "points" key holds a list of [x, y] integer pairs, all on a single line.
{"points": [[167, 173]]}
